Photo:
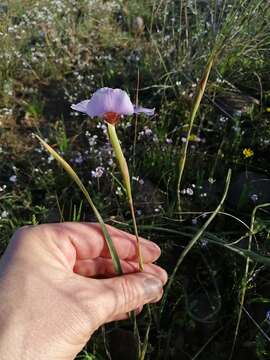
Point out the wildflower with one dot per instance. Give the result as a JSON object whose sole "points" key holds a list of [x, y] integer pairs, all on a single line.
{"points": [[110, 104], [78, 159], [13, 178], [2, 188], [204, 243], [158, 208], [187, 191], [50, 159], [268, 109], [223, 119], [98, 172], [140, 181], [4, 214], [147, 131], [194, 138], [119, 191], [155, 139], [247, 152], [254, 197]]}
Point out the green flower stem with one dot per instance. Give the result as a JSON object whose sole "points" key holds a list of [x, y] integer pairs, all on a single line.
{"points": [[195, 108], [74, 176], [125, 174]]}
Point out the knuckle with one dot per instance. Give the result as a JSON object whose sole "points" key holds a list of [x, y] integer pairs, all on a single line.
{"points": [[21, 234], [127, 291]]}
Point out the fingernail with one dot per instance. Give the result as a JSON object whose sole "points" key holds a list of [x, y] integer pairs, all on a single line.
{"points": [[152, 288]]}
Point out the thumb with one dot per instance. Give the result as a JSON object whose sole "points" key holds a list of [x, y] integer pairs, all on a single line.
{"points": [[125, 293]]}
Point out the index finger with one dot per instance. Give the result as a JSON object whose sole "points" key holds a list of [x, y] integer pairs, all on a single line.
{"points": [[89, 242]]}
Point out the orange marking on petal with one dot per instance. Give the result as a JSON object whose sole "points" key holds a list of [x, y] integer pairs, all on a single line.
{"points": [[111, 117]]}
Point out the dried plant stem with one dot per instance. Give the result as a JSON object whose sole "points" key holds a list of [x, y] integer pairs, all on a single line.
{"points": [[194, 240], [195, 108], [125, 174], [74, 176], [245, 279]]}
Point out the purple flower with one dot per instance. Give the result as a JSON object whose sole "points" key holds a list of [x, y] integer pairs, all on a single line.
{"points": [[110, 104]]}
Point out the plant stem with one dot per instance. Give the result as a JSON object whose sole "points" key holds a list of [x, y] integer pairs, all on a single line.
{"points": [[194, 240], [245, 279], [194, 110], [74, 176], [125, 174]]}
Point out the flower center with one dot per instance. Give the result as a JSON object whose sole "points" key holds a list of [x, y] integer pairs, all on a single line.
{"points": [[111, 117]]}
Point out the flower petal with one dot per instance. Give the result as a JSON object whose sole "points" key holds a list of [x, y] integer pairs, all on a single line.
{"points": [[146, 111], [81, 106], [109, 100], [121, 103]]}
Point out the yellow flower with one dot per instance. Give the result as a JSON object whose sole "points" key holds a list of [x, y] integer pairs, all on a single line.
{"points": [[247, 152], [268, 109], [194, 137]]}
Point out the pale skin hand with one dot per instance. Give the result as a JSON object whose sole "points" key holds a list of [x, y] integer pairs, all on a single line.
{"points": [[51, 300]]}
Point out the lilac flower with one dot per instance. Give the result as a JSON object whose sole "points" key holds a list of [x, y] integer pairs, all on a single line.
{"points": [[110, 104], [13, 178], [98, 172], [254, 197]]}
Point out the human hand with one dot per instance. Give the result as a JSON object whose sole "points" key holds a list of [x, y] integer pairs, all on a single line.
{"points": [[51, 300]]}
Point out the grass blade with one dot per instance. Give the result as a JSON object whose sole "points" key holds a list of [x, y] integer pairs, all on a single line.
{"points": [[74, 176], [194, 240], [195, 108], [245, 279]]}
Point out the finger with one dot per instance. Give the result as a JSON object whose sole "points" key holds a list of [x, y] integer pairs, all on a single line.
{"points": [[88, 241], [123, 294], [104, 267], [126, 316]]}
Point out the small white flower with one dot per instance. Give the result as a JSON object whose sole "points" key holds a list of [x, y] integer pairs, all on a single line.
{"points": [[2, 188], [254, 197], [98, 172], [78, 159], [50, 159], [189, 191], [155, 139], [204, 243], [13, 178], [147, 131], [4, 214], [119, 191]]}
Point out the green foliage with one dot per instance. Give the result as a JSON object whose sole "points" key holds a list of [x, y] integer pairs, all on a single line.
{"points": [[55, 53]]}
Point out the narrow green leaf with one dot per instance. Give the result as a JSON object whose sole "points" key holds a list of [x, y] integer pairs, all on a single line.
{"points": [[74, 176]]}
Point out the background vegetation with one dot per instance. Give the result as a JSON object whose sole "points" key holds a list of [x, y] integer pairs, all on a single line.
{"points": [[58, 52]]}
